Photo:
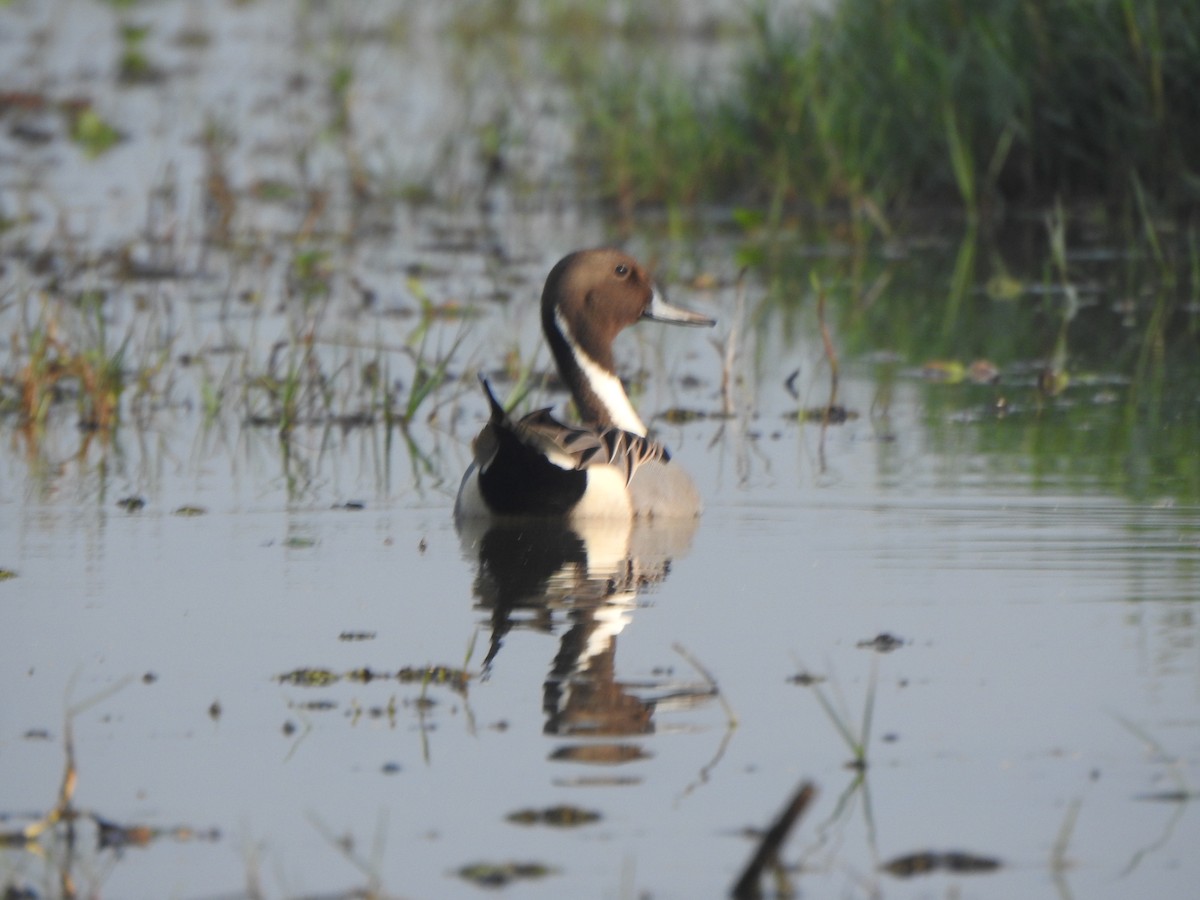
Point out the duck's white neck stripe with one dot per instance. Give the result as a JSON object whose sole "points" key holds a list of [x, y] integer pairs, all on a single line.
{"points": [[605, 385]]}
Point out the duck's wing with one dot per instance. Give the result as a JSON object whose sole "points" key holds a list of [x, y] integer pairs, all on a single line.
{"points": [[574, 446]]}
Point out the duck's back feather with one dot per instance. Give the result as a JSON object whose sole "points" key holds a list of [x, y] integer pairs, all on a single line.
{"points": [[538, 465]]}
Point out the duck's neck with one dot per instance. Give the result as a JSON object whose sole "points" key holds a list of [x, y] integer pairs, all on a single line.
{"points": [[597, 390]]}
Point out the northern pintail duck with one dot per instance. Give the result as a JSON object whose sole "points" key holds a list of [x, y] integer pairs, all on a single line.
{"points": [[605, 467]]}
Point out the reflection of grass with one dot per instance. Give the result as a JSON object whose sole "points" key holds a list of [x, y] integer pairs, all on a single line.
{"points": [[856, 740], [1179, 798]]}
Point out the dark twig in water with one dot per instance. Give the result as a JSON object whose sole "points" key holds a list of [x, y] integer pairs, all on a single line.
{"points": [[767, 853]]}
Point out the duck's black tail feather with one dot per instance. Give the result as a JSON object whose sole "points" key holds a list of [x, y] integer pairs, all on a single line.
{"points": [[498, 412]]}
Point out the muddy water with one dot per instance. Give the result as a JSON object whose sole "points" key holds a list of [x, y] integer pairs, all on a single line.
{"points": [[1010, 626]]}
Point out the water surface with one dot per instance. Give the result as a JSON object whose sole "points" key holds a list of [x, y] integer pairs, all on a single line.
{"points": [[1036, 561]]}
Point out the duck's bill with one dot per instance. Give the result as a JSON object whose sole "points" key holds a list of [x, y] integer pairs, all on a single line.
{"points": [[660, 310]]}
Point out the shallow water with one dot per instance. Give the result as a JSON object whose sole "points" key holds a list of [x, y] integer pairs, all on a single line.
{"points": [[1044, 691]]}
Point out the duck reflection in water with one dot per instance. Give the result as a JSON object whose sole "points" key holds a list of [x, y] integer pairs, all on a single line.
{"points": [[582, 581]]}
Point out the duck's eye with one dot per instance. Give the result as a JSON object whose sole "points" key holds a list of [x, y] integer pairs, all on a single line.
{"points": [[622, 270]]}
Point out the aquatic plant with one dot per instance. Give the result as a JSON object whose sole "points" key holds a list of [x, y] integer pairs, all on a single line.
{"points": [[52, 358], [857, 740]]}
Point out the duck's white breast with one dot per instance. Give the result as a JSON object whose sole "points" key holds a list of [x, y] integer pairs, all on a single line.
{"points": [[606, 496]]}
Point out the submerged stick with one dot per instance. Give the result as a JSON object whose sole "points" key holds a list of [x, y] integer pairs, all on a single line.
{"points": [[767, 854]]}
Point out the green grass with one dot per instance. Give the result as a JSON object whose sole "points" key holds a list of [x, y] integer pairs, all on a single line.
{"points": [[903, 103]]}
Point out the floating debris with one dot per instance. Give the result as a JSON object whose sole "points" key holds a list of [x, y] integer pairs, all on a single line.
{"points": [[563, 816], [926, 862], [7, 574], [191, 511], [131, 504], [214, 710], [455, 679], [835, 414], [599, 781], [1180, 796], [882, 643], [983, 371], [502, 874], [357, 636], [112, 836], [310, 677], [300, 542], [1052, 381], [952, 371], [947, 371], [317, 705], [805, 679]]}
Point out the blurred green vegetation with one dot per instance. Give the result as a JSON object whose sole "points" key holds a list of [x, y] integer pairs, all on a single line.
{"points": [[900, 103]]}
